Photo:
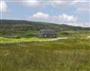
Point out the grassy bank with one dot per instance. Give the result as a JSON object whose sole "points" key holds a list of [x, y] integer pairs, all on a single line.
{"points": [[61, 55]]}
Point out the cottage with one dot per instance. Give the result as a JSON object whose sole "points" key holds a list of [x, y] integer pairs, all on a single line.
{"points": [[47, 33]]}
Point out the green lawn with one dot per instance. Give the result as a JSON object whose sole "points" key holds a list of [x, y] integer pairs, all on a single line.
{"points": [[63, 55]]}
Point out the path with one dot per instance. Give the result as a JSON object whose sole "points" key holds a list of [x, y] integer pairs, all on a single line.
{"points": [[54, 39]]}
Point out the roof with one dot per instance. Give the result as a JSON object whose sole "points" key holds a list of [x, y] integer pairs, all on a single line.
{"points": [[48, 31]]}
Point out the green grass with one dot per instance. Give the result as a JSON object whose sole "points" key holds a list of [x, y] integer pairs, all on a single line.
{"points": [[18, 40], [40, 54], [70, 35], [62, 55]]}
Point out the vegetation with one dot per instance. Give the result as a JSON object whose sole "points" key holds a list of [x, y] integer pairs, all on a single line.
{"points": [[18, 40], [25, 52], [71, 54], [46, 56], [27, 28]]}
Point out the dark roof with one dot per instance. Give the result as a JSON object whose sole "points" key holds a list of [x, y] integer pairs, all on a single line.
{"points": [[48, 31]]}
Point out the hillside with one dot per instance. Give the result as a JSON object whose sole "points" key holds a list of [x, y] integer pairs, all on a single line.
{"points": [[23, 27], [43, 54]]}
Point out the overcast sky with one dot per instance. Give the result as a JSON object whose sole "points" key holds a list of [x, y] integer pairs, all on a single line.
{"points": [[70, 12]]}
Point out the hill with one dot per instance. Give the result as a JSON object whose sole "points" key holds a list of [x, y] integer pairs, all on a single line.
{"points": [[23, 27], [41, 54]]}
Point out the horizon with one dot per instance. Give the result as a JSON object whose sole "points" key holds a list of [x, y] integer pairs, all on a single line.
{"points": [[71, 12], [47, 23]]}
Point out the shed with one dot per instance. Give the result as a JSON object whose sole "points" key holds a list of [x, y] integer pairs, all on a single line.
{"points": [[48, 33]]}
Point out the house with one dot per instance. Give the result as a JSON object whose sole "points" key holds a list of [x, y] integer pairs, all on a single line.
{"points": [[47, 33]]}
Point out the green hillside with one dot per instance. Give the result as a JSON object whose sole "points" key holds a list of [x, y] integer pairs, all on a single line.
{"points": [[29, 28], [20, 25], [43, 54]]}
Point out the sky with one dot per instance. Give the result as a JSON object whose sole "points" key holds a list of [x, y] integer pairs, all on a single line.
{"points": [[70, 12]]}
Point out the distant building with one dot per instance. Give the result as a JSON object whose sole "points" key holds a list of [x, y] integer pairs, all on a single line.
{"points": [[47, 33]]}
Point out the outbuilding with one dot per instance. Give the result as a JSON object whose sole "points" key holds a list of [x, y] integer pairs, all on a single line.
{"points": [[48, 33]]}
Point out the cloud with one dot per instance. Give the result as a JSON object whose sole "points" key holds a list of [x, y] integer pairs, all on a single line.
{"points": [[67, 18], [60, 2], [40, 15], [60, 19], [30, 3], [3, 6], [81, 5], [84, 6]]}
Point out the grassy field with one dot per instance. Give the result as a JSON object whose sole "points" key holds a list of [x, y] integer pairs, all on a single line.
{"points": [[27, 54], [18, 40]]}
